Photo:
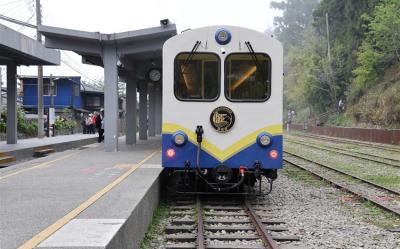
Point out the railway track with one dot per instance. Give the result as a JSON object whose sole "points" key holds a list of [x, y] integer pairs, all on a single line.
{"points": [[386, 198], [348, 141], [360, 155], [224, 224]]}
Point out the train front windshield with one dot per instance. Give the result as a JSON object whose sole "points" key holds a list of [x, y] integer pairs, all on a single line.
{"points": [[197, 76], [247, 77]]}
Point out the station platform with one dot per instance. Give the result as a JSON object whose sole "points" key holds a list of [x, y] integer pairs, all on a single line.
{"points": [[81, 198], [25, 148]]}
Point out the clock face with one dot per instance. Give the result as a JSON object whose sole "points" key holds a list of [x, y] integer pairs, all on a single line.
{"points": [[155, 75]]}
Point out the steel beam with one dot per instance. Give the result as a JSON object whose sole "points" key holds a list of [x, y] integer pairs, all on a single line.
{"points": [[143, 110], [152, 110], [11, 104], [110, 97], [158, 105], [131, 103]]}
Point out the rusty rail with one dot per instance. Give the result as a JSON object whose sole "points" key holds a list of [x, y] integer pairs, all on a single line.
{"points": [[266, 238], [200, 242]]}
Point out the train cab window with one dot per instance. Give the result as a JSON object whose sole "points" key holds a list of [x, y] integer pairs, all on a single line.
{"points": [[197, 76], [247, 77]]}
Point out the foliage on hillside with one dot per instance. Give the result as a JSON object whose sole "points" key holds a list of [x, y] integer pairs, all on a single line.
{"points": [[364, 39]]}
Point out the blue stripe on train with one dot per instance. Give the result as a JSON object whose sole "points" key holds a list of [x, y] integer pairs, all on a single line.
{"points": [[245, 157]]}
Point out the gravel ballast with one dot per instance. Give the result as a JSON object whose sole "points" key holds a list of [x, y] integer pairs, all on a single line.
{"points": [[321, 215], [317, 214]]}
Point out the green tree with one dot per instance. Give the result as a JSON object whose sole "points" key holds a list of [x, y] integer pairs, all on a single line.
{"points": [[381, 47], [306, 84], [346, 31], [295, 19]]}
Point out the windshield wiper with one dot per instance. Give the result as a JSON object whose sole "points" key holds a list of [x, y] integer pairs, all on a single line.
{"points": [[189, 58], [183, 68], [255, 59]]}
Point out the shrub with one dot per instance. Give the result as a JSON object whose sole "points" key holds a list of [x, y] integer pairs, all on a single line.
{"points": [[64, 124]]}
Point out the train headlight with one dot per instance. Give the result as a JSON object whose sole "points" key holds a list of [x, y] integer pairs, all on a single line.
{"points": [[223, 36], [264, 139], [180, 138]]}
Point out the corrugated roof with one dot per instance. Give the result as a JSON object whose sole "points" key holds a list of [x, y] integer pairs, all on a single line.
{"points": [[90, 88]]}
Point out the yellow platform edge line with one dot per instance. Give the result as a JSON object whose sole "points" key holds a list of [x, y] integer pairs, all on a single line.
{"points": [[222, 155]]}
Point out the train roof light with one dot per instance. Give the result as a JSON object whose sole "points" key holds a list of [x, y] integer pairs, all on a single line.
{"points": [[223, 36]]}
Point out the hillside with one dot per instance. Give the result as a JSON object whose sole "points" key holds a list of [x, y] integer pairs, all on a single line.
{"points": [[342, 51], [378, 107]]}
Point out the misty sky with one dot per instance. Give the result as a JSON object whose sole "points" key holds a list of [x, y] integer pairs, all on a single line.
{"points": [[124, 15]]}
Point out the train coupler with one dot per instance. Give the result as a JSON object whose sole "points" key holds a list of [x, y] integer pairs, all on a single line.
{"points": [[186, 174]]}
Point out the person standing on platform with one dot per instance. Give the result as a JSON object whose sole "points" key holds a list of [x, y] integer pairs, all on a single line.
{"points": [[83, 123], [100, 125], [93, 126]]}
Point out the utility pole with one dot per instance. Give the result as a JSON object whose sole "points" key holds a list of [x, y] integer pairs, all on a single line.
{"points": [[40, 76], [333, 89], [327, 37]]}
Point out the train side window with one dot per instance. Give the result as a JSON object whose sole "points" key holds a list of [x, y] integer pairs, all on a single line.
{"points": [[197, 77], [247, 77]]}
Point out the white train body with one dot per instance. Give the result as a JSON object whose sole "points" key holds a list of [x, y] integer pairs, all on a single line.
{"points": [[233, 143]]}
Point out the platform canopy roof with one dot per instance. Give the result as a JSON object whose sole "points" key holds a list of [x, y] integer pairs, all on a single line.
{"points": [[133, 47], [22, 50]]}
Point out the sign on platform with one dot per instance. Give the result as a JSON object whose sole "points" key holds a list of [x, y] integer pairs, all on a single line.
{"points": [[52, 115]]}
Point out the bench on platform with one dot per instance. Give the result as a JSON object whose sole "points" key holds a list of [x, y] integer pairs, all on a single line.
{"points": [[42, 151]]}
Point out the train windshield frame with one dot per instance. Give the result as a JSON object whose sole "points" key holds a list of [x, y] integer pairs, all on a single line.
{"points": [[252, 80], [197, 76]]}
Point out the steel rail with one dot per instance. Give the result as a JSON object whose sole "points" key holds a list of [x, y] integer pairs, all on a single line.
{"points": [[200, 241], [266, 238], [348, 141], [381, 205], [342, 172], [346, 152], [351, 151]]}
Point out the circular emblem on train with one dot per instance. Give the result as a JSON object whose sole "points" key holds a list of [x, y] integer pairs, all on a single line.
{"points": [[222, 119]]}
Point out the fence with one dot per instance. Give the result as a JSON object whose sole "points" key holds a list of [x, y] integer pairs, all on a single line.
{"points": [[385, 136]]}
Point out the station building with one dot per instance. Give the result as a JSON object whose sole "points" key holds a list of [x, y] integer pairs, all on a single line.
{"points": [[131, 57]]}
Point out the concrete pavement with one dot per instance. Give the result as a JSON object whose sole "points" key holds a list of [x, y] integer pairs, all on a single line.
{"points": [[41, 192], [25, 147]]}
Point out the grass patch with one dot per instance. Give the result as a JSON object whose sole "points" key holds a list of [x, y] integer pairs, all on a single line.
{"points": [[389, 180], [155, 229], [302, 175], [381, 218], [387, 176]]}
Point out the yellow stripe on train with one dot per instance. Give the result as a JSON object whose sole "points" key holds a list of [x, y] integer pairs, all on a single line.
{"points": [[222, 155]]}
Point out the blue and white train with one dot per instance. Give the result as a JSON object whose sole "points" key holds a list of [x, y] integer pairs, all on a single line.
{"points": [[222, 109]]}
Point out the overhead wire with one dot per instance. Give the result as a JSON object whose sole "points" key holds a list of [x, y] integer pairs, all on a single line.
{"points": [[20, 8], [75, 66], [77, 63], [93, 82], [27, 21], [16, 8], [19, 12], [8, 3], [32, 12]]}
